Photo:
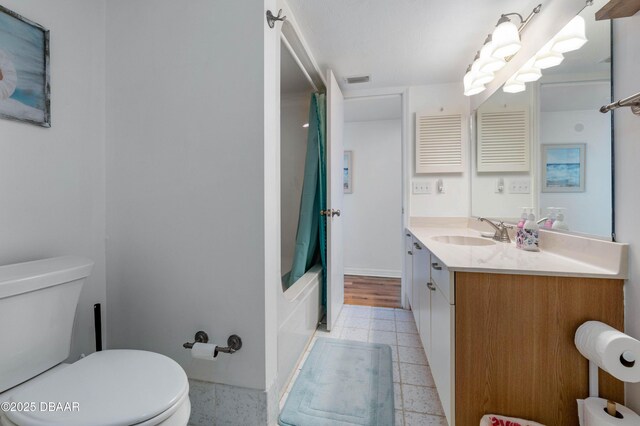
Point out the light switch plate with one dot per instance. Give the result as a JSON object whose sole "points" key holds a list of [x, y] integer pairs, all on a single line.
{"points": [[520, 186], [421, 187]]}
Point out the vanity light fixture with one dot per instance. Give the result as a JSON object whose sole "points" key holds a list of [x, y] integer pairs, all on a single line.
{"points": [[529, 72], [547, 57], [480, 78], [488, 62], [571, 37], [514, 86], [499, 47], [506, 36], [470, 88]]}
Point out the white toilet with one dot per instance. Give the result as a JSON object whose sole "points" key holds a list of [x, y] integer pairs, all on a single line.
{"points": [[113, 387]]}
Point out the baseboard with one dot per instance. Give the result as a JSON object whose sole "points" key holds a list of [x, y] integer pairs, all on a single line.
{"points": [[383, 273]]}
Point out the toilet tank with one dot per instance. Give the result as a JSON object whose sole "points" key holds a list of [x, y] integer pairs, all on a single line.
{"points": [[37, 308]]}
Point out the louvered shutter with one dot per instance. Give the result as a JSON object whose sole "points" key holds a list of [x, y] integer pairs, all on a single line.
{"points": [[439, 143], [504, 140]]}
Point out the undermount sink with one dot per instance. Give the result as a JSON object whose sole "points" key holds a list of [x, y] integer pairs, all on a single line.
{"points": [[463, 241]]}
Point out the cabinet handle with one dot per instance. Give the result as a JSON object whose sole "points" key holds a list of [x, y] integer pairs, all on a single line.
{"points": [[416, 245], [436, 266], [431, 286], [410, 253]]}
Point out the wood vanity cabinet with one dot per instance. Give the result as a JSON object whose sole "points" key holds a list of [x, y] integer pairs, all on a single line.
{"points": [[503, 344], [514, 345]]}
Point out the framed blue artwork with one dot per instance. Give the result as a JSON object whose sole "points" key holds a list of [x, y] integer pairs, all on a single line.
{"points": [[563, 167], [25, 93]]}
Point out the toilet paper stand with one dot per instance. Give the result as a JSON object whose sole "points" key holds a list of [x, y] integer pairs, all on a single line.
{"points": [[234, 343], [594, 384]]}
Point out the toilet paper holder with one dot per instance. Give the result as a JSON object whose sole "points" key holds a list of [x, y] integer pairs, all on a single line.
{"points": [[234, 343]]}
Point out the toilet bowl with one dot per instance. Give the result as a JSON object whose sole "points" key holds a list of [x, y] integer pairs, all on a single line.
{"points": [[107, 388], [113, 387]]}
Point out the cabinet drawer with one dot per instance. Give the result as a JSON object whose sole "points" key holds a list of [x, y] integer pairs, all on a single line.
{"points": [[443, 278]]}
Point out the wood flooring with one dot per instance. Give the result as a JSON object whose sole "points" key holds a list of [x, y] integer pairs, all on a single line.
{"points": [[372, 291]]}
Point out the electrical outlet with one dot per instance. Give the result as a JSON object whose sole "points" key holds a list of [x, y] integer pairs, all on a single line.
{"points": [[520, 186], [421, 187]]}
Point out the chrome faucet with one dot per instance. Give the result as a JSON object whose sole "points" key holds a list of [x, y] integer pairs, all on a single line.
{"points": [[502, 230]]}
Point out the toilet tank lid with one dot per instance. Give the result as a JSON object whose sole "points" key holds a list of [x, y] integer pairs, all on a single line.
{"points": [[24, 277]]}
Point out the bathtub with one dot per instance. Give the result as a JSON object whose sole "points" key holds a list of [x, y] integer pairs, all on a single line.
{"points": [[298, 316]]}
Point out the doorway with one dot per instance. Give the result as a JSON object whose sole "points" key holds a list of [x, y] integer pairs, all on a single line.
{"points": [[373, 200]]}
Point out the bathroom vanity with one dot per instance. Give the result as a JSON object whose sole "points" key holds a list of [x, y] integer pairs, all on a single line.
{"points": [[498, 323]]}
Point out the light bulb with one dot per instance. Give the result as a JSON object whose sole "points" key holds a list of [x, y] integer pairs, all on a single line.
{"points": [[514, 86], [547, 57], [469, 88], [529, 72], [505, 39], [305, 125], [571, 37], [487, 63], [480, 78]]}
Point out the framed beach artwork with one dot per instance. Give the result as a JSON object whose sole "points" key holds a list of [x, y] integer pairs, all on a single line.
{"points": [[348, 172], [563, 167], [24, 70]]}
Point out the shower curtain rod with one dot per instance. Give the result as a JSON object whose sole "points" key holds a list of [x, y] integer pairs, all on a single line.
{"points": [[295, 58]]}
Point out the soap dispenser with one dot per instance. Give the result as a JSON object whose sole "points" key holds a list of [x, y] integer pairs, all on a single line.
{"points": [[519, 228], [551, 218], [560, 223], [531, 237]]}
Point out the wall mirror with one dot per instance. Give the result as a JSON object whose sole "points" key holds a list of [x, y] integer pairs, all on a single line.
{"points": [[547, 147]]}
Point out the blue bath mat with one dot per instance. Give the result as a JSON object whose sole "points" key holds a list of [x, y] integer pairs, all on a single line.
{"points": [[342, 383]]}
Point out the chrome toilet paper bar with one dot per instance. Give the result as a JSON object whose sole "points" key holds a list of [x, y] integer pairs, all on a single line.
{"points": [[234, 343]]}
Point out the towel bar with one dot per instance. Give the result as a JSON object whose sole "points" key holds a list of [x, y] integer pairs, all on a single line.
{"points": [[631, 101]]}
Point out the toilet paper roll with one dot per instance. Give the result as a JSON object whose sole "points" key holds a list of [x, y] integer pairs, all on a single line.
{"points": [[613, 351], [595, 414], [204, 351]]}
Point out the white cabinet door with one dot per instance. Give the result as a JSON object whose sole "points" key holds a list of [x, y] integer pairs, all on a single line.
{"points": [[425, 318], [420, 291], [408, 269], [442, 355]]}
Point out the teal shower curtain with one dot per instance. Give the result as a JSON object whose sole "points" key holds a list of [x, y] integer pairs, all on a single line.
{"points": [[311, 241]]}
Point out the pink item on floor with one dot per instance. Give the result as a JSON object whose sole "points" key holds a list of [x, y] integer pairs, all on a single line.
{"points": [[496, 420]]}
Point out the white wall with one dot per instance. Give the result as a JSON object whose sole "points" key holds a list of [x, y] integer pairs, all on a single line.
{"points": [[627, 152], [455, 200], [587, 212], [294, 112], [52, 180], [192, 186], [372, 214]]}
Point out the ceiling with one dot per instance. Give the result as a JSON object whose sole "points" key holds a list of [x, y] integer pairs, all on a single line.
{"points": [[399, 42]]}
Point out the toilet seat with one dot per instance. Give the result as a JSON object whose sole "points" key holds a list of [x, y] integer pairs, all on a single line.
{"points": [[113, 387]]}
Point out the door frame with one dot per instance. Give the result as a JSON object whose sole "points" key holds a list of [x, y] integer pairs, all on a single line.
{"points": [[407, 134]]}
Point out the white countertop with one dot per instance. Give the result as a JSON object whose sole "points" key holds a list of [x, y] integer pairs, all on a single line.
{"points": [[593, 258]]}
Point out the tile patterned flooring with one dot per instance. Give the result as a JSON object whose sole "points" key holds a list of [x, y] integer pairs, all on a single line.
{"points": [[416, 398]]}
